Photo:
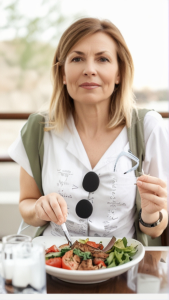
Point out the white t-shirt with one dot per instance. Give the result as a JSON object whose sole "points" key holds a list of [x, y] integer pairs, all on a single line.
{"points": [[65, 164]]}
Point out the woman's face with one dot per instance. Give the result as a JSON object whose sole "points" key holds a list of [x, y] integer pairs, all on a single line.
{"points": [[91, 69]]}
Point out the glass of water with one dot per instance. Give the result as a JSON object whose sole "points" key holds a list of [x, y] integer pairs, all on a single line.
{"points": [[151, 274], [23, 266], [8, 244]]}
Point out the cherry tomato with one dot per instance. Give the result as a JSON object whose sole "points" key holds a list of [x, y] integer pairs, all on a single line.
{"points": [[51, 249], [54, 262], [103, 264], [68, 262], [98, 261], [93, 244], [100, 246]]}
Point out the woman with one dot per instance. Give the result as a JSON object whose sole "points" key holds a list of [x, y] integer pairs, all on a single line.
{"points": [[85, 131]]}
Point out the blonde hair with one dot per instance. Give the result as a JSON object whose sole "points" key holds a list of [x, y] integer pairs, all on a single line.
{"points": [[122, 99]]}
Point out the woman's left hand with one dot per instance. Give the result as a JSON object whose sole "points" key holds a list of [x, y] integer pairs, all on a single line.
{"points": [[153, 192]]}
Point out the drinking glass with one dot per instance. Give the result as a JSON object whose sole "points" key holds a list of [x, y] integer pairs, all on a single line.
{"points": [[148, 279], [8, 243], [151, 274], [23, 265], [29, 275]]}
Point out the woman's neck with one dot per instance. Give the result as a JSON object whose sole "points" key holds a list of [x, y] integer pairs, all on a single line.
{"points": [[91, 120]]}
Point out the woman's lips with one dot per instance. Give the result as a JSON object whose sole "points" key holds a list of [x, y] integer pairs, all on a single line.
{"points": [[89, 86]]}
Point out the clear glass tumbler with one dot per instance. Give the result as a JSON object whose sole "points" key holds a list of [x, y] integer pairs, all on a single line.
{"points": [[8, 244], [23, 266], [29, 275], [151, 274]]}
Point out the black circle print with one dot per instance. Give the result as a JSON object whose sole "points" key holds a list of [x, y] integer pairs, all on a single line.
{"points": [[90, 182], [84, 209]]}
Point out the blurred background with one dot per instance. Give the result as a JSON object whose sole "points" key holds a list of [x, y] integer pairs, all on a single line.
{"points": [[30, 31]]}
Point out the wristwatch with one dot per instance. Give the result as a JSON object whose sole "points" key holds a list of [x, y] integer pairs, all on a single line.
{"points": [[153, 224]]}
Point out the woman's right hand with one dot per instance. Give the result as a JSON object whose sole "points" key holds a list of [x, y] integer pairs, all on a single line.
{"points": [[51, 207]]}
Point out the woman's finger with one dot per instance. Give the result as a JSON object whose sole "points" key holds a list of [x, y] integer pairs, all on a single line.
{"points": [[59, 207], [52, 207], [153, 180], [155, 188], [154, 199], [49, 211], [41, 212], [63, 205]]}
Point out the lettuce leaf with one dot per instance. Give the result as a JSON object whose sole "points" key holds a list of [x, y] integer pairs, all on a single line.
{"points": [[84, 255], [124, 242], [64, 250], [120, 253]]}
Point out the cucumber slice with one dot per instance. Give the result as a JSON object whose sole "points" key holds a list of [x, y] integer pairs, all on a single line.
{"points": [[52, 255]]}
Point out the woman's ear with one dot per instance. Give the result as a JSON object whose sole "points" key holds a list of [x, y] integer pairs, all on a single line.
{"points": [[117, 79], [64, 79], [64, 76]]}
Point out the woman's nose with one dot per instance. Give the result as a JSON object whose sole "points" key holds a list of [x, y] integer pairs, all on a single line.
{"points": [[89, 69]]}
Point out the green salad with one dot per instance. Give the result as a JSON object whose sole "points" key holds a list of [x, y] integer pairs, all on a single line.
{"points": [[120, 253], [88, 255]]}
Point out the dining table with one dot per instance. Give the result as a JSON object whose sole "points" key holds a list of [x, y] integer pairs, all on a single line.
{"points": [[126, 283]]}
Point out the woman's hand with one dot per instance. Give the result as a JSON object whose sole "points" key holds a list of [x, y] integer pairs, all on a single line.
{"points": [[153, 192], [51, 207]]}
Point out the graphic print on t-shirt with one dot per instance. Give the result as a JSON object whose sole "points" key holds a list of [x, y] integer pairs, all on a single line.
{"points": [[65, 176]]}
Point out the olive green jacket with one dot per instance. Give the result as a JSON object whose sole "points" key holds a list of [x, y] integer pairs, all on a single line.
{"points": [[32, 137]]}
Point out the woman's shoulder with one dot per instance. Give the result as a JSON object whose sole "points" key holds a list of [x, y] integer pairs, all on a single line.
{"points": [[153, 121], [153, 115]]}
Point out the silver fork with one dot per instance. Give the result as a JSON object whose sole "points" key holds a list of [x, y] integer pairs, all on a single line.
{"points": [[66, 233]]}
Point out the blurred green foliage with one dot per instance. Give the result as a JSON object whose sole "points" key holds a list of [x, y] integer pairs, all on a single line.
{"points": [[30, 49]]}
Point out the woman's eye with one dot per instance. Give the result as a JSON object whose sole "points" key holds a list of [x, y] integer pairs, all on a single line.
{"points": [[76, 59], [103, 59]]}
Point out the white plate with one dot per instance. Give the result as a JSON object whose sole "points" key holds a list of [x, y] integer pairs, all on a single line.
{"points": [[94, 276]]}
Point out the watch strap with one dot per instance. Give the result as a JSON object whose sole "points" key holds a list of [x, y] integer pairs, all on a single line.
{"points": [[153, 224]]}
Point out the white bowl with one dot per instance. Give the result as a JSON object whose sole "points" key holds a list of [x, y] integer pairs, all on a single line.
{"points": [[94, 276]]}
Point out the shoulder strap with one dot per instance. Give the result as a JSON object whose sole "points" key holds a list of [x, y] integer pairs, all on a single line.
{"points": [[137, 147], [32, 137], [136, 137]]}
